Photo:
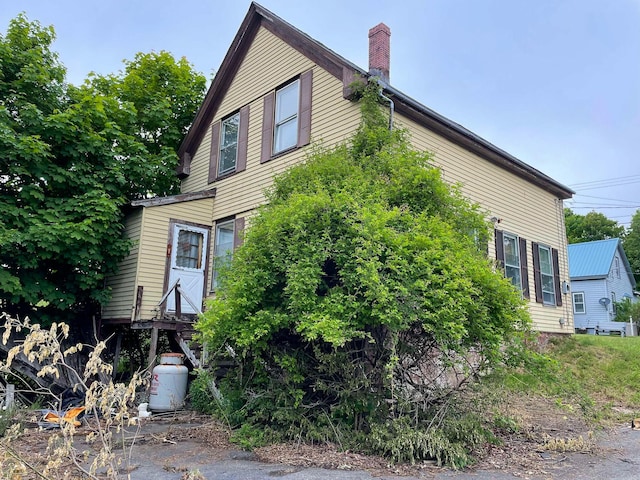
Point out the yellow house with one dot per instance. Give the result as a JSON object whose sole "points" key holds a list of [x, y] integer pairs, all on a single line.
{"points": [[276, 92]]}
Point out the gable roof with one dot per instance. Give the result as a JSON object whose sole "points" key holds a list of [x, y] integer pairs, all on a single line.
{"points": [[593, 260], [346, 71]]}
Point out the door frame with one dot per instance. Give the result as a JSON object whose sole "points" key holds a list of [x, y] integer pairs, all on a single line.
{"points": [[167, 266]]}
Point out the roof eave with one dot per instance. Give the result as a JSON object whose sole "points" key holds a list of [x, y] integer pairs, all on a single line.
{"points": [[588, 277], [336, 65]]}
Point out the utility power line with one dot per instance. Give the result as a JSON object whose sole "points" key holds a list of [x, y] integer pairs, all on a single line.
{"points": [[604, 198], [635, 178]]}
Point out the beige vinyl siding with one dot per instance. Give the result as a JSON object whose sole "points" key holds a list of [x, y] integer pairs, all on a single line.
{"points": [[333, 120], [523, 209], [153, 246], [146, 264], [123, 284]]}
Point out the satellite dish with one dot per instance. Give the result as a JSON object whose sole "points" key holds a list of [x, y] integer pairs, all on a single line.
{"points": [[605, 301]]}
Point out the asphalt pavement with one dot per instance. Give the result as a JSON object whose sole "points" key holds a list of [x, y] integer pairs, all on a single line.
{"points": [[617, 458]]}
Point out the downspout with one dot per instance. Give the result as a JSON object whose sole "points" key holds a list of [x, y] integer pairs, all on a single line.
{"points": [[391, 107]]}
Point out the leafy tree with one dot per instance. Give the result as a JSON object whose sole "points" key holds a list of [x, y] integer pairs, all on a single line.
{"points": [[70, 158], [626, 309], [360, 288], [631, 245], [165, 95], [590, 227]]}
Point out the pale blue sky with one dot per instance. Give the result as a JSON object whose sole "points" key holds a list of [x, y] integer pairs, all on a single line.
{"points": [[554, 82]]}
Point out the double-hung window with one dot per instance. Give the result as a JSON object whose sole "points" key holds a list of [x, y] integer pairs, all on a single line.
{"points": [[229, 139], [285, 132], [579, 306], [228, 144], [546, 275], [512, 260], [228, 237], [286, 121], [546, 272], [511, 254]]}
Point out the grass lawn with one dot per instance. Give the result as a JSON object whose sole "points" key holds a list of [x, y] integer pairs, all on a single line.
{"points": [[600, 375]]}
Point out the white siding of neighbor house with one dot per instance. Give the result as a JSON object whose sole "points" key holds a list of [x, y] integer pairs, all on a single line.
{"points": [[151, 256], [596, 314], [524, 209], [619, 284]]}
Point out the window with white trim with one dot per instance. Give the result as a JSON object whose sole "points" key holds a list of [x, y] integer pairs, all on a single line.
{"points": [[228, 144], [579, 305], [285, 132], [546, 274], [512, 259], [229, 139], [286, 119], [223, 248], [511, 254], [616, 266], [228, 237]]}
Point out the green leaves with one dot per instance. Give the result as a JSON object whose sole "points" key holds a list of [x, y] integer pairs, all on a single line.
{"points": [[71, 158], [590, 227], [364, 267]]}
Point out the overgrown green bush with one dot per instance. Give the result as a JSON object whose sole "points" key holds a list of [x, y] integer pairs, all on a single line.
{"points": [[626, 310], [362, 295]]}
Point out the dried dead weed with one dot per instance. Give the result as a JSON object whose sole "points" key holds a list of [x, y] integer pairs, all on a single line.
{"points": [[546, 432]]}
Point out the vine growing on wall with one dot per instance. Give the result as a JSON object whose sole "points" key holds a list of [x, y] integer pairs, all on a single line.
{"points": [[360, 300]]}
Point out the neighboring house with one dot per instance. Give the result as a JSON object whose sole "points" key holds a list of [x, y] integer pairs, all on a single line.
{"points": [[600, 276], [276, 92]]}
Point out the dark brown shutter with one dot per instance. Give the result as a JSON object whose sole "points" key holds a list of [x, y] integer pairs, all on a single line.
{"points": [[238, 232], [215, 152], [524, 270], [556, 276], [243, 139], [267, 127], [184, 168], [537, 277], [499, 247], [304, 114]]}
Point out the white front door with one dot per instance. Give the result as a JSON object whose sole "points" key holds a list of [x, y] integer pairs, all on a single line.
{"points": [[188, 262]]}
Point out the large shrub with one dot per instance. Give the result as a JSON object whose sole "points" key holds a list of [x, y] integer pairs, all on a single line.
{"points": [[362, 294]]}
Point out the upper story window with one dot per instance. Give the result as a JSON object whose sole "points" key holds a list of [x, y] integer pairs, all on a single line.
{"points": [[285, 133], [511, 253], [579, 306], [546, 273], [286, 122], [229, 140], [616, 267], [228, 144]]}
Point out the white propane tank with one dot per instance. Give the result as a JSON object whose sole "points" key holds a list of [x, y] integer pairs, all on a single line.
{"points": [[168, 383]]}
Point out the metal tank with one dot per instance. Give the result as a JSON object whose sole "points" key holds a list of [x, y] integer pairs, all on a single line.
{"points": [[168, 383]]}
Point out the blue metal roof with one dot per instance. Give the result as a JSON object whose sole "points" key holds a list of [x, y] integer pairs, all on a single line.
{"points": [[592, 259]]}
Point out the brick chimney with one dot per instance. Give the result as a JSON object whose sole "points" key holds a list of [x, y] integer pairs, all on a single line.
{"points": [[380, 51]]}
